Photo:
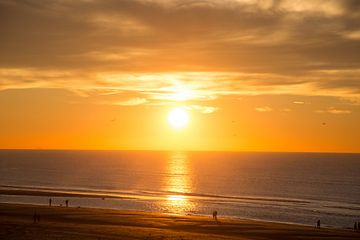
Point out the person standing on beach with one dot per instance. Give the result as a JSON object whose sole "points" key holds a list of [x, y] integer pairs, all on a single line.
{"points": [[355, 226], [67, 203], [34, 216], [50, 201], [215, 215], [318, 223]]}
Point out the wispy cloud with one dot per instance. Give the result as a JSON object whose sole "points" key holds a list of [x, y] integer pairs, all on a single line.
{"points": [[131, 102], [298, 102], [203, 109], [264, 109], [333, 110], [338, 111], [177, 86]]}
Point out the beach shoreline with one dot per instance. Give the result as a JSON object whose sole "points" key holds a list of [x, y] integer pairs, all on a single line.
{"points": [[43, 195], [92, 223]]}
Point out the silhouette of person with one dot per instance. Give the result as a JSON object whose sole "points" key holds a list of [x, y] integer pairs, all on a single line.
{"points": [[355, 226], [215, 215], [67, 203], [318, 223], [34, 216], [50, 201]]}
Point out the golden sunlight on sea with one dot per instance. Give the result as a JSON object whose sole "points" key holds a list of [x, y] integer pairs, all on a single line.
{"points": [[177, 183]]}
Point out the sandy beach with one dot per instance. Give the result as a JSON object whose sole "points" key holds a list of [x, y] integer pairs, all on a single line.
{"points": [[16, 222]]}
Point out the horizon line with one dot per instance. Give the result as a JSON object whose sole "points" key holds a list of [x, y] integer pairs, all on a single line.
{"points": [[167, 150]]}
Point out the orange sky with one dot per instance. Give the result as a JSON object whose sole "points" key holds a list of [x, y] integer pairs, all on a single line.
{"points": [[253, 75]]}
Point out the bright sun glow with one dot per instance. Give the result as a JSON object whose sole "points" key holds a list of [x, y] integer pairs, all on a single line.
{"points": [[178, 118], [176, 198]]}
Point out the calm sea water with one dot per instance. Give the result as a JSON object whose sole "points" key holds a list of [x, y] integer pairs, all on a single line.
{"points": [[285, 187]]}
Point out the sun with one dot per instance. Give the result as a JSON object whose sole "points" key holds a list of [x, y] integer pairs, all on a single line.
{"points": [[178, 118]]}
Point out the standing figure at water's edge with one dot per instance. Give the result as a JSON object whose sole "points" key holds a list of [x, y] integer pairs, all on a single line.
{"points": [[215, 215]]}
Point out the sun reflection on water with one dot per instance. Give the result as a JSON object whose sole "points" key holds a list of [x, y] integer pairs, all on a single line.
{"points": [[178, 184]]}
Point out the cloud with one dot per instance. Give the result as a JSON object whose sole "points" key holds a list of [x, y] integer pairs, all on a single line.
{"points": [[338, 111], [339, 79], [264, 109], [333, 110], [182, 50], [203, 109], [131, 102], [354, 35], [178, 86], [328, 8]]}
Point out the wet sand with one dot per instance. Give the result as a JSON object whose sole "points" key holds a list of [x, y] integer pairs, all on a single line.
{"points": [[16, 222]]}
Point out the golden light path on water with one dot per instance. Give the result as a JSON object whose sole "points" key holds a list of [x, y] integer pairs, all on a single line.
{"points": [[178, 182]]}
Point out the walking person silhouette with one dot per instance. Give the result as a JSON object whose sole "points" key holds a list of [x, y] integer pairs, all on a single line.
{"points": [[215, 213], [35, 216]]}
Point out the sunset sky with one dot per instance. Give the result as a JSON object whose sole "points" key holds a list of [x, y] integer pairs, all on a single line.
{"points": [[251, 75]]}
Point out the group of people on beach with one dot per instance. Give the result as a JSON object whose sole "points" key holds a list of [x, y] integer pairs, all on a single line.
{"points": [[357, 226], [36, 217]]}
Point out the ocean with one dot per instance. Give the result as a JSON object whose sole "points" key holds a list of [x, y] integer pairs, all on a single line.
{"points": [[295, 188]]}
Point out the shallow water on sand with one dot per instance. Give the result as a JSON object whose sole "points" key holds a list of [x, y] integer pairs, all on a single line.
{"points": [[284, 187]]}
